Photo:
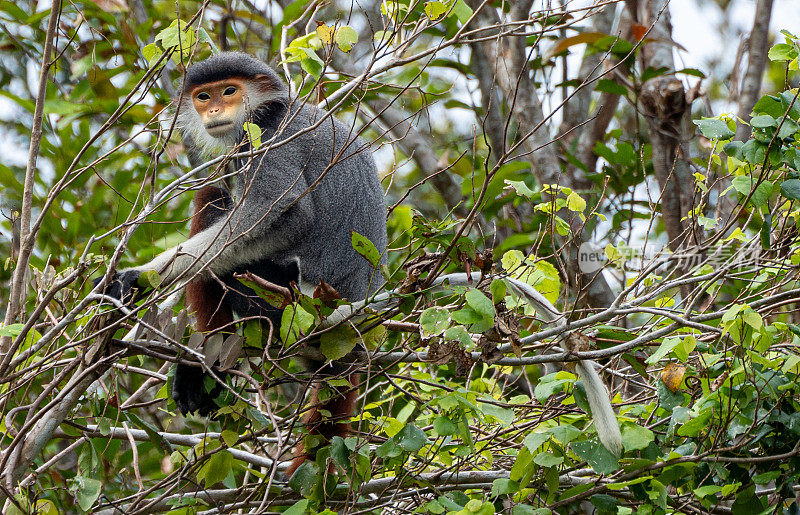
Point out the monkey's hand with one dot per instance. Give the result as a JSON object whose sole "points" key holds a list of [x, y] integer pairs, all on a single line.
{"points": [[123, 285], [190, 392]]}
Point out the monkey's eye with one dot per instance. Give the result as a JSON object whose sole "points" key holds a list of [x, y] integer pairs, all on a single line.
{"points": [[203, 97], [230, 90]]}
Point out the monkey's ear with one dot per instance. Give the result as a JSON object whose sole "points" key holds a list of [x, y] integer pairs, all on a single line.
{"points": [[263, 78], [268, 83]]}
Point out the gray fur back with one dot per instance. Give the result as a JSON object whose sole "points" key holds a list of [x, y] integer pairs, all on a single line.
{"points": [[345, 195]]}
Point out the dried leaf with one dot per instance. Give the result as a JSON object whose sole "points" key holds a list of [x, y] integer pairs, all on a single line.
{"points": [[563, 44], [196, 341], [212, 349], [327, 294], [163, 320], [489, 351], [181, 323], [672, 375], [230, 352], [638, 31]]}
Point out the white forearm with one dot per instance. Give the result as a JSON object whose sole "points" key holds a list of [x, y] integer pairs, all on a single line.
{"points": [[213, 249]]}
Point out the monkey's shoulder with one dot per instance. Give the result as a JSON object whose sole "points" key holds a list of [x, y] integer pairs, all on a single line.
{"points": [[321, 129]]}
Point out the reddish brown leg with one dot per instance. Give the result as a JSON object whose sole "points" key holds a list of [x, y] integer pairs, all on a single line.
{"points": [[206, 297], [340, 405]]}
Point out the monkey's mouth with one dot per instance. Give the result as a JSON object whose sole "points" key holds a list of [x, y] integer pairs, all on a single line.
{"points": [[217, 128]]}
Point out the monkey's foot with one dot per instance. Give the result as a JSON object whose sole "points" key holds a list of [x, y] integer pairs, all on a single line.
{"points": [[189, 391], [122, 286]]}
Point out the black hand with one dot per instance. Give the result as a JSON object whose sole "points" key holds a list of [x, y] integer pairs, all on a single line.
{"points": [[189, 391], [122, 286]]}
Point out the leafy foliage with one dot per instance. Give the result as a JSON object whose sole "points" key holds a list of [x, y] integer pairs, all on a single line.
{"points": [[455, 416]]}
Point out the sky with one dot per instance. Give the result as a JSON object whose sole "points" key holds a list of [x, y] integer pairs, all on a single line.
{"points": [[695, 25]]}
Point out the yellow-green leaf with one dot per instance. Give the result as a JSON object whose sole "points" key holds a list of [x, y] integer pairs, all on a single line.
{"points": [[253, 132], [326, 33], [435, 10], [346, 37]]}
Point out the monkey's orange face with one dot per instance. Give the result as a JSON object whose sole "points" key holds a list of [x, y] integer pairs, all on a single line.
{"points": [[220, 105]]}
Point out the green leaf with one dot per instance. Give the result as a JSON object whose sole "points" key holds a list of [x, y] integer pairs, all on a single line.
{"points": [[544, 390], [14, 11], [459, 333], [498, 289], [338, 342], [216, 468], [434, 320], [204, 37], [548, 459], [253, 133], [522, 466], [790, 189], [732, 312], [294, 322], [651, 73], [636, 437], [274, 299], [524, 509], [766, 477], [743, 184], [763, 121], [504, 415], [667, 398], [11, 330], [178, 34], [148, 280], [694, 426], [565, 433], [521, 188], [304, 478], [713, 128], [346, 37], [761, 194], [151, 53], [411, 438], [782, 52], [298, 508], [444, 426], [686, 346], [504, 486], [366, 248], [462, 11], [611, 86], [663, 350], [435, 10], [597, 456], [388, 449], [86, 490], [312, 64], [480, 303], [604, 503], [575, 203], [752, 318], [230, 437], [374, 337], [694, 72], [435, 507], [535, 440], [253, 333], [706, 490], [340, 453]]}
